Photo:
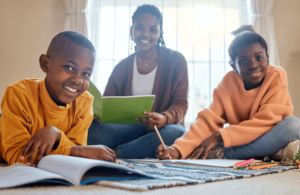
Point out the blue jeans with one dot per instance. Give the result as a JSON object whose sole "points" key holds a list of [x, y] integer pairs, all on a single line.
{"points": [[283, 133], [132, 141]]}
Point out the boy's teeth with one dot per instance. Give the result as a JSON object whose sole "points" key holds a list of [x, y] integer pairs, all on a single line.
{"points": [[70, 89], [144, 41]]}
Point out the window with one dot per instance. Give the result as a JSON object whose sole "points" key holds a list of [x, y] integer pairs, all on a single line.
{"points": [[199, 29]]}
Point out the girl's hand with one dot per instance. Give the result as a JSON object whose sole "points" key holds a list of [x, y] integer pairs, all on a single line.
{"points": [[96, 118], [158, 119], [98, 152], [209, 143], [42, 141], [162, 153]]}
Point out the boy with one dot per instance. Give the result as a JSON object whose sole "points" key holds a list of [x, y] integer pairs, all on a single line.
{"points": [[52, 115]]}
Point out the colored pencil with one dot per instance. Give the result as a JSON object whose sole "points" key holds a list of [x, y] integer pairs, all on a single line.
{"points": [[161, 140], [240, 162], [262, 166], [244, 163]]}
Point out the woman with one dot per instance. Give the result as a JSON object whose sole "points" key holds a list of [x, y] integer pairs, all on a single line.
{"points": [[152, 69]]}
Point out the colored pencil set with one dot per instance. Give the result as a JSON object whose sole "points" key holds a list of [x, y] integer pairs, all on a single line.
{"points": [[249, 164]]}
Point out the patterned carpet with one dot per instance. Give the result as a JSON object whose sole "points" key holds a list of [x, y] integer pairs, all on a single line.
{"points": [[175, 175]]}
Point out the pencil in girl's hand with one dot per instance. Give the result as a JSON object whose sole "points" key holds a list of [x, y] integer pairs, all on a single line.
{"points": [[162, 142]]}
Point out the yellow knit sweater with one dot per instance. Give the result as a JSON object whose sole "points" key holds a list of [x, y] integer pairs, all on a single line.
{"points": [[27, 107], [250, 113]]}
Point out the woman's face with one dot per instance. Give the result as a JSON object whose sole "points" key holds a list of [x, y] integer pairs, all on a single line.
{"points": [[145, 31], [251, 65]]}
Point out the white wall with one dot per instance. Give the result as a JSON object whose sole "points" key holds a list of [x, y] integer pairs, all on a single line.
{"points": [[26, 29], [287, 29]]}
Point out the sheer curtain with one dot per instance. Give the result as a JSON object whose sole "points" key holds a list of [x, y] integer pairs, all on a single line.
{"points": [[199, 29], [261, 13], [76, 16]]}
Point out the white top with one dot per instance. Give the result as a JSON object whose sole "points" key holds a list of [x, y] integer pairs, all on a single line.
{"points": [[142, 84]]}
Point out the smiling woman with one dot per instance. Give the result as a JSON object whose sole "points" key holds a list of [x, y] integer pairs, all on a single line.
{"points": [[152, 69]]}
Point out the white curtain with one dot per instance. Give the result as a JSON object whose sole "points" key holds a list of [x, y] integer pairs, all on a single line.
{"points": [[261, 13], [76, 16], [93, 22]]}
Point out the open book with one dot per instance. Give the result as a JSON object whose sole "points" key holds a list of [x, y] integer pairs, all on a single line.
{"points": [[67, 170], [224, 163], [120, 109]]}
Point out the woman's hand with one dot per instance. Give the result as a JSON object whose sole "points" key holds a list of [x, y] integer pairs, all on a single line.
{"points": [[96, 118], [158, 119], [163, 153], [98, 152], [209, 143], [42, 141]]}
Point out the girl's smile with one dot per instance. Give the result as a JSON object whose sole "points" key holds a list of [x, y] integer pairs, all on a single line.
{"points": [[251, 65]]}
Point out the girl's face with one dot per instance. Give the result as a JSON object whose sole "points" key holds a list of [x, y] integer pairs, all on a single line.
{"points": [[251, 65], [146, 31]]}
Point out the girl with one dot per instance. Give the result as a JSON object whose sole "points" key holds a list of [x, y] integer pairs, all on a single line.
{"points": [[152, 69], [253, 99]]}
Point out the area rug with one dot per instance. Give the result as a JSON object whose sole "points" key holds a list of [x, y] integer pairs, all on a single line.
{"points": [[176, 175]]}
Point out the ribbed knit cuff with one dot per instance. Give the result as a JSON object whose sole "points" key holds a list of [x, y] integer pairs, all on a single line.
{"points": [[226, 138], [184, 148]]}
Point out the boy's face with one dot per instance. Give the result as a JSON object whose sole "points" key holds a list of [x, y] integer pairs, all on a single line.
{"points": [[68, 72], [251, 65]]}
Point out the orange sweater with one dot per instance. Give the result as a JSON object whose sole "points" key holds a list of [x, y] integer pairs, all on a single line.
{"points": [[27, 107], [250, 113]]}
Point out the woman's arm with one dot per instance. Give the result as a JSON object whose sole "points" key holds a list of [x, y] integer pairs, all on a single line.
{"points": [[178, 103]]}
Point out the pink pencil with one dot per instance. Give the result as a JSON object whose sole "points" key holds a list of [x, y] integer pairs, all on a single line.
{"points": [[244, 163]]}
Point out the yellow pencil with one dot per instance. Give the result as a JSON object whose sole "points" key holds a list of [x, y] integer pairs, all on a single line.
{"points": [[162, 142]]}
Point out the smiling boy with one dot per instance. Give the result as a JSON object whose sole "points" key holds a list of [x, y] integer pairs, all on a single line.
{"points": [[52, 115]]}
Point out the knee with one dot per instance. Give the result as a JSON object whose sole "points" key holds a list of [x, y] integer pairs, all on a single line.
{"points": [[171, 132], [292, 127]]}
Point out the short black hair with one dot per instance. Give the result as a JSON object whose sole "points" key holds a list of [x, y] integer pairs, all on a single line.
{"points": [[153, 10], [245, 35], [68, 36]]}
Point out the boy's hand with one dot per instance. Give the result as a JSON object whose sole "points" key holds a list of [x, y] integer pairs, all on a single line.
{"points": [[158, 119], [98, 152], [43, 141], [162, 153], [209, 143]]}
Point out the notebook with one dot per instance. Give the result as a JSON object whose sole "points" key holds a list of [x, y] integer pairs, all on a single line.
{"points": [[67, 170], [120, 109]]}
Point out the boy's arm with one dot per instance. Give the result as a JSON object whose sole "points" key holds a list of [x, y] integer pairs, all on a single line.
{"points": [[77, 135], [16, 124]]}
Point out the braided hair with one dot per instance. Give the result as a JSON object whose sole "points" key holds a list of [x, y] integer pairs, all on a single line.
{"points": [[153, 10]]}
